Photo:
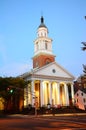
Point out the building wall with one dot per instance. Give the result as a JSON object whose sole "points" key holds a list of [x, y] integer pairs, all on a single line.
{"points": [[42, 60], [80, 99]]}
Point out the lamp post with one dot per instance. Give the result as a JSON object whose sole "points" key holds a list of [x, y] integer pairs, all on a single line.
{"points": [[36, 104]]}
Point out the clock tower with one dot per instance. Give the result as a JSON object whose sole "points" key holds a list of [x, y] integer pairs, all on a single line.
{"points": [[42, 47]]}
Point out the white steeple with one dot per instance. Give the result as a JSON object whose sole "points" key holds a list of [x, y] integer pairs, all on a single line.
{"points": [[43, 44]]}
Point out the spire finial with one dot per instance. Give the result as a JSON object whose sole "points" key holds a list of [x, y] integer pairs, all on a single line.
{"points": [[42, 19], [42, 22]]}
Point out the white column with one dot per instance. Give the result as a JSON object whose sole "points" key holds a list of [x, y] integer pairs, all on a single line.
{"points": [[32, 92], [66, 95], [29, 93], [41, 93], [50, 93], [72, 93], [58, 95], [25, 96]]}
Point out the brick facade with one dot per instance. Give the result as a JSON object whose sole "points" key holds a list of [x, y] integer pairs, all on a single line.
{"points": [[41, 60]]}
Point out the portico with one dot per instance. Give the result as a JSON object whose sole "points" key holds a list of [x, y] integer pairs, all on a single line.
{"points": [[56, 91]]}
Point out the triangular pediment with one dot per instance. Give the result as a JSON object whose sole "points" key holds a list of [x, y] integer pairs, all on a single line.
{"points": [[53, 69]]}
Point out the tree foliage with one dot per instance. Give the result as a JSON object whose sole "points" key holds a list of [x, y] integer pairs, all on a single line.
{"points": [[11, 89], [84, 69], [13, 82], [84, 49], [84, 46]]}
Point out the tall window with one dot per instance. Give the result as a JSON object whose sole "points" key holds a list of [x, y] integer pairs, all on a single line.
{"points": [[46, 46], [37, 64], [84, 100], [82, 94], [37, 46], [77, 100]]}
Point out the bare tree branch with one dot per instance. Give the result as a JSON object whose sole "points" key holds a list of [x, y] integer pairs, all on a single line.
{"points": [[84, 46]]}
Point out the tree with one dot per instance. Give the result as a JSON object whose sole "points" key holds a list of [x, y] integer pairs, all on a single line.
{"points": [[12, 90], [84, 69], [84, 43], [85, 17], [84, 46]]}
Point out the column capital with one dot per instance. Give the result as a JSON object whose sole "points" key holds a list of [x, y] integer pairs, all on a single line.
{"points": [[41, 80]]}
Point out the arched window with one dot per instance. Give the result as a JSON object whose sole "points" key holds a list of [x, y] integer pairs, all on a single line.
{"points": [[47, 61], [37, 46], [41, 34], [46, 46], [37, 64]]}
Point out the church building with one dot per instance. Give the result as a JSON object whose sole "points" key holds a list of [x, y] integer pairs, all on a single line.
{"points": [[48, 82]]}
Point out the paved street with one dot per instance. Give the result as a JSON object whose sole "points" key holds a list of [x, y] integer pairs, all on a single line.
{"points": [[25, 122]]}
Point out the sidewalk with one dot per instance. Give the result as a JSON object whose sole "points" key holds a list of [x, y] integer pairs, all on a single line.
{"points": [[44, 115]]}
